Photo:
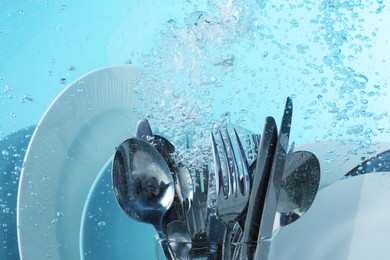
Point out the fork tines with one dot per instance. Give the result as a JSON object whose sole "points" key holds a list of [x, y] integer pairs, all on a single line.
{"points": [[230, 164]]}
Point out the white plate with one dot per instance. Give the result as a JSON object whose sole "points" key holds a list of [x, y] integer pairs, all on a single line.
{"points": [[349, 220], [106, 232], [74, 139]]}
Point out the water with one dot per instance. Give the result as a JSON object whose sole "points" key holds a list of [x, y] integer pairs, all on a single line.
{"points": [[250, 55], [211, 63]]}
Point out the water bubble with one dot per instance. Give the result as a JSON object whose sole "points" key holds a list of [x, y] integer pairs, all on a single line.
{"points": [[171, 24], [101, 223], [62, 80], [380, 127], [71, 68], [26, 98], [350, 104], [359, 78], [379, 10], [294, 23]]}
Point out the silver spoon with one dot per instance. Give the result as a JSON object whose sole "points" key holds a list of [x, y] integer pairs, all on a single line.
{"points": [[179, 239], [301, 179], [143, 184]]}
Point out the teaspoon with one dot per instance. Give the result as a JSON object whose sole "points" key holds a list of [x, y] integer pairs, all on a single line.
{"points": [[143, 183]]}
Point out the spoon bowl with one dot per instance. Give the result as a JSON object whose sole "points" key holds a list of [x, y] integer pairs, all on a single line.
{"points": [[143, 184], [301, 179], [179, 239]]}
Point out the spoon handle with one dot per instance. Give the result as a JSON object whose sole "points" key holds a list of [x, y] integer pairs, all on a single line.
{"points": [[164, 241]]}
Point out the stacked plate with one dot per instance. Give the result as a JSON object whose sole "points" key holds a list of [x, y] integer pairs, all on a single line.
{"points": [[72, 143]]}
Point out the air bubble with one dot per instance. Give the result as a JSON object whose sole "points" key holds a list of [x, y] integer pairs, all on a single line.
{"points": [[350, 104], [380, 128], [294, 23]]}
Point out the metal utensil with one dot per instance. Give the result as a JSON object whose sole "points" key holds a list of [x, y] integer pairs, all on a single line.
{"points": [[300, 184], [179, 239], [186, 190], [143, 184], [301, 179], [197, 214], [299, 187], [166, 149], [233, 183], [378, 163], [274, 185], [143, 130], [259, 185]]}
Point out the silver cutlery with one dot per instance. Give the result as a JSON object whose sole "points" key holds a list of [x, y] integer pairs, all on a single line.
{"points": [[166, 149], [232, 182], [259, 186], [201, 215], [299, 187], [301, 180], [196, 217], [179, 240], [185, 189], [143, 185], [143, 130], [274, 185]]}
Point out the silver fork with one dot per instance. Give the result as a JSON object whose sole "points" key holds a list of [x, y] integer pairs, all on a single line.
{"points": [[232, 183], [198, 210]]}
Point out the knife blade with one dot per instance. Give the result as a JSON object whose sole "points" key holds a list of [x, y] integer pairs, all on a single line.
{"points": [[259, 185], [274, 185]]}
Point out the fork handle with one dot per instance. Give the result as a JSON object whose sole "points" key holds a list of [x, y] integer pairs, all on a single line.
{"points": [[227, 245]]}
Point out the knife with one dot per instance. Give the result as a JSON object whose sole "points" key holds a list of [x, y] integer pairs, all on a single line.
{"points": [[274, 185], [259, 185]]}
